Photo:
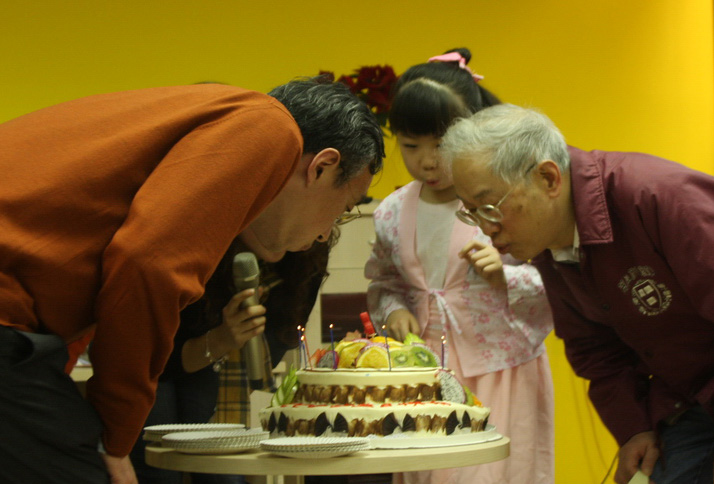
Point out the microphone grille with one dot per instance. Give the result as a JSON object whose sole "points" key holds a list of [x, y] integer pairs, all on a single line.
{"points": [[245, 270]]}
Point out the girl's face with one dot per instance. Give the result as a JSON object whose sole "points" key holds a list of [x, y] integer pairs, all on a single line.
{"points": [[421, 157]]}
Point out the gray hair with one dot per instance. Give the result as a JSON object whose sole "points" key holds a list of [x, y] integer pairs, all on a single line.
{"points": [[509, 137]]}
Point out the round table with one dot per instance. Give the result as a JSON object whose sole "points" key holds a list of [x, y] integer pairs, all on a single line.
{"points": [[260, 463]]}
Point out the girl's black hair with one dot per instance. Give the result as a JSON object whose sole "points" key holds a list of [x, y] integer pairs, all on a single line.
{"points": [[428, 97]]}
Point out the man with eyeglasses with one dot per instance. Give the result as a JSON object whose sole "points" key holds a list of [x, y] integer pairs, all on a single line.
{"points": [[115, 210], [623, 242]]}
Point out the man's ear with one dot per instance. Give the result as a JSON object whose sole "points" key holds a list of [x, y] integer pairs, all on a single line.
{"points": [[549, 178], [325, 162]]}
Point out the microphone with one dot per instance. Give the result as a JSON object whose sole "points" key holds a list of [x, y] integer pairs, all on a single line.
{"points": [[246, 275]]}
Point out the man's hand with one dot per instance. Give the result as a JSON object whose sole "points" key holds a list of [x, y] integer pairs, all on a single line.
{"points": [[401, 322], [640, 452], [486, 261], [120, 469]]}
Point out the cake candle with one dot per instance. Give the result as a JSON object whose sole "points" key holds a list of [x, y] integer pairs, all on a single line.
{"points": [[299, 347], [443, 344], [307, 349], [332, 347], [386, 341], [303, 345]]}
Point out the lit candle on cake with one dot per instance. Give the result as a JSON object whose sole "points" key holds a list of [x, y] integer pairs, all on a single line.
{"points": [[299, 346], [386, 341], [443, 344], [307, 349], [332, 338], [303, 345], [332, 347]]}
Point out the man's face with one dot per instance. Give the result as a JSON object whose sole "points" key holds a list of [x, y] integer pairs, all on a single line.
{"points": [[524, 230], [303, 212]]}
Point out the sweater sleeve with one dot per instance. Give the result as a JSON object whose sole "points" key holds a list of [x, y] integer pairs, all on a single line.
{"points": [[206, 189]]}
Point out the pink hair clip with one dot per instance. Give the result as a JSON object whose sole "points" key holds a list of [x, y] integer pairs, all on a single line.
{"points": [[456, 57]]}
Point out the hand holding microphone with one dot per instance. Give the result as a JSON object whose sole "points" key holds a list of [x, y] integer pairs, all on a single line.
{"points": [[246, 275]]}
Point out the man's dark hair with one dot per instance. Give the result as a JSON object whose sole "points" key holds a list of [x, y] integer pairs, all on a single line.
{"points": [[330, 116]]}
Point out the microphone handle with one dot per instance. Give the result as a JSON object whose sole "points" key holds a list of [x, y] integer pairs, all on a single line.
{"points": [[254, 357]]}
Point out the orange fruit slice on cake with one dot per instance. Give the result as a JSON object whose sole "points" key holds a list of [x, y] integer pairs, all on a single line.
{"points": [[373, 356], [348, 353]]}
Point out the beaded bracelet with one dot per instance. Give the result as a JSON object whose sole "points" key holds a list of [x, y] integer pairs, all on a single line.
{"points": [[217, 363]]}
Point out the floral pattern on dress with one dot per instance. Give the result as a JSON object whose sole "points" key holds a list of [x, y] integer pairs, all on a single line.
{"points": [[486, 329]]}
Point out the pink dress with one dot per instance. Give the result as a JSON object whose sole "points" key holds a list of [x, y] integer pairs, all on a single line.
{"points": [[494, 339]]}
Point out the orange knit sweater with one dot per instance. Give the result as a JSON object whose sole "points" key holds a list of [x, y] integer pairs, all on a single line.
{"points": [[114, 211]]}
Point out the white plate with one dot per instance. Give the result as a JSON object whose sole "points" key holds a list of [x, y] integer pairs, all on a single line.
{"points": [[321, 454], [404, 441], [154, 433], [228, 448], [315, 447], [214, 442]]}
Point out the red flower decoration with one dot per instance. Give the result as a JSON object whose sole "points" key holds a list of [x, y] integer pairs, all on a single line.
{"points": [[372, 84]]}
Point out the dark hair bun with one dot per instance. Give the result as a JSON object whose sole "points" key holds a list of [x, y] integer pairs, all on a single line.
{"points": [[465, 53]]}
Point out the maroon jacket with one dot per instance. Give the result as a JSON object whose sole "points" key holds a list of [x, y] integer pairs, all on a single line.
{"points": [[637, 313]]}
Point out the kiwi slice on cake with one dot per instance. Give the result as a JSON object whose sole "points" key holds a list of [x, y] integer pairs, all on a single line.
{"points": [[401, 356], [423, 356]]}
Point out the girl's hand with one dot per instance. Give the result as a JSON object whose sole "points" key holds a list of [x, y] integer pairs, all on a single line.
{"points": [[486, 261], [240, 325], [400, 322]]}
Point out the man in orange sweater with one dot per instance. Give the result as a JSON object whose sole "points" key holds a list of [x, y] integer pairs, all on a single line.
{"points": [[114, 211]]}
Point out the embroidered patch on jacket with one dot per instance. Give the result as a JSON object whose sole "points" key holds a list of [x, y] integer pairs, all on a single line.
{"points": [[649, 296]]}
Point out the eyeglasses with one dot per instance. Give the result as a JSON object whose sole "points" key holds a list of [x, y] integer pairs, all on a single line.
{"points": [[489, 213], [348, 217]]}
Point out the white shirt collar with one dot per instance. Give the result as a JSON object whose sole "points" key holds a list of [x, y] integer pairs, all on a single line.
{"points": [[568, 254]]}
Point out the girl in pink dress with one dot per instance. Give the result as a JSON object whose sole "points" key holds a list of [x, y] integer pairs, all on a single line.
{"points": [[435, 276]]}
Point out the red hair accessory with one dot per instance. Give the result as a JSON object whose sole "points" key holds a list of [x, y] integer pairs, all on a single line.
{"points": [[456, 57]]}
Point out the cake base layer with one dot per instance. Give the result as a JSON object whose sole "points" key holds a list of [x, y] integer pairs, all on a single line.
{"points": [[423, 419]]}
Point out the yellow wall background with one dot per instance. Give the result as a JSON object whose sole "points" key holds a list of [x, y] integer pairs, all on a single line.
{"points": [[613, 74]]}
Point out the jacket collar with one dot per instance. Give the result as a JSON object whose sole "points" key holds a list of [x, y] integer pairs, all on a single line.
{"points": [[588, 191]]}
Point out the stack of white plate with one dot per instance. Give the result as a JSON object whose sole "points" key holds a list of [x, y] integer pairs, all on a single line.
{"points": [[315, 447], [215, 442], [155, 432]]}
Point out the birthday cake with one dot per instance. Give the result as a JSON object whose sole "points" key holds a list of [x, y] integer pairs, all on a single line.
{"points": [[376, 402], [379, 390]]}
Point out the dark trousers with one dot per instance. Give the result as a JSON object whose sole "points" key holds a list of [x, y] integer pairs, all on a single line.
{"points": [[48, 432], [687, 450]]}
